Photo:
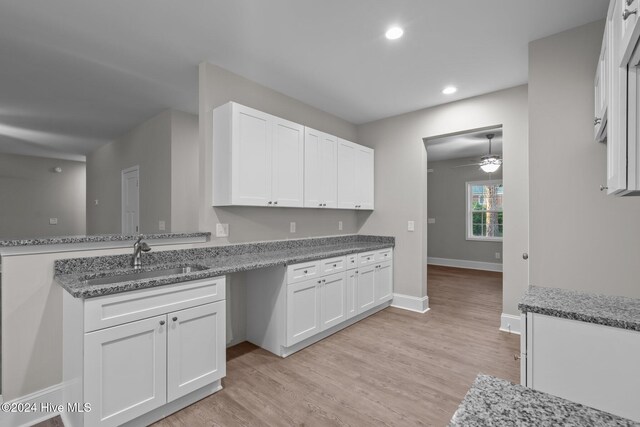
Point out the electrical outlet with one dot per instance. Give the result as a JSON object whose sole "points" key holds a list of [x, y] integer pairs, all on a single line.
{"points": [[53, 221], [162, 225], [411, 226], [340, 225], [292, 227], [222, 230], [498, 255], [431, 220], [96, 202]]}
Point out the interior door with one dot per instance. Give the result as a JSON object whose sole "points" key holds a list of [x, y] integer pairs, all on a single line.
{"points": [[288, 164], [196, 349], [251, 157], [131, 200], [125, 371]]}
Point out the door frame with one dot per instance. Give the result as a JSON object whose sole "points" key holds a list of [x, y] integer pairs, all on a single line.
{"points": [[122, 204]]}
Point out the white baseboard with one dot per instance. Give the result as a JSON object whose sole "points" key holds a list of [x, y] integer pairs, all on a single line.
{"points": [[40, 407], [510, 323], [461, 263], [407, 302]]}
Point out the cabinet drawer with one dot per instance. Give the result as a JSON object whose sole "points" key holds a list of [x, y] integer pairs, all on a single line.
{"points": [[366, 258], [304, 271], [384, 255], [111, 310], [352, 261], [333, 265]]}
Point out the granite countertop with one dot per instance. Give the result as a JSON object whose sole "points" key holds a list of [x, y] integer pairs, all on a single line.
{"points": [[496, 402], [97, 238], [214, 261], [608, 310]]}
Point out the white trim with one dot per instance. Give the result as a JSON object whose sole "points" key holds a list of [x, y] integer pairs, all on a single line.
{"points": [[48, 396], [510, 323], [411, 303], [461, 263]]}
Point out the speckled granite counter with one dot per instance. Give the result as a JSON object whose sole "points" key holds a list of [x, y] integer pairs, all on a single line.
{"points": [[496, 402], [62, 240], [619, 312], [72, 273]]}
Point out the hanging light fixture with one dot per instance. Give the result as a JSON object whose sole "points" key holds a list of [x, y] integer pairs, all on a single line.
{"points": [[490, 163]]}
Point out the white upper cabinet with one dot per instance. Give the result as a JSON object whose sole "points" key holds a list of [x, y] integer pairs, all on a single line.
{"points": [[320, 169], [355, 176], [263, 160], [287, 182], [258, 159]]}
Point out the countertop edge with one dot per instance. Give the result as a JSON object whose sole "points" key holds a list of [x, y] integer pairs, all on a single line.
{"points": [[64, 279]]}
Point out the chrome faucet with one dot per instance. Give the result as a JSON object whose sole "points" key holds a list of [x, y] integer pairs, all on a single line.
{"points": [[138, 247]]}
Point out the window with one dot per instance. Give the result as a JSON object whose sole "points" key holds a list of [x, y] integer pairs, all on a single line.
{"points": [[484, 210]]}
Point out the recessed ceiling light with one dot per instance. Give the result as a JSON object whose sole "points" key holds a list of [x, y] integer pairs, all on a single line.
{"points": [[449, 90], [394, 33]]}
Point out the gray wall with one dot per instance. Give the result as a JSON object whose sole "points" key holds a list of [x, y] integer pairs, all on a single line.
{"points": [[31, 193], [580, 237], [401, 182], [219, 86], [184, 172], [447, 203], [149, 146]]}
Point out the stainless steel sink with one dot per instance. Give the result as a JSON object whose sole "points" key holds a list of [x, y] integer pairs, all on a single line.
{"points": [[149, 274]]}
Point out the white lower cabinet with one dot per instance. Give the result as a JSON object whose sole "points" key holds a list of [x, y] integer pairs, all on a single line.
{"points": [[169, 347], [125, 371], [303, 311], [195, 348], [591, 364], [286, 312]]}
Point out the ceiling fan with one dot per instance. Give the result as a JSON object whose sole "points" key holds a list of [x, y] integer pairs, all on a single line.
{"points": [[489, 163]]}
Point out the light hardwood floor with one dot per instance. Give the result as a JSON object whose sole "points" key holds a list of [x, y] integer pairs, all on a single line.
{"points": [[394, 368]]}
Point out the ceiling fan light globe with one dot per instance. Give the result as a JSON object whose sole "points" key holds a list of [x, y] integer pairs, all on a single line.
{"points": [[490, 167]]}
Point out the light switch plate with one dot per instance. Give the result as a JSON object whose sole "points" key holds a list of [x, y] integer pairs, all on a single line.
{"points": [[292, 227], [53, 221], [162, 226], [340, 225], [222, 230], [431, 220], [411, 226], [498, 255]]}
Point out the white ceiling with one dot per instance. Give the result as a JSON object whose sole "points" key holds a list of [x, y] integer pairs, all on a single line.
{"points": [[463, 146], [79, 73]]}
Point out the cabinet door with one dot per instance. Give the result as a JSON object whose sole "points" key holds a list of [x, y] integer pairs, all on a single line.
{"points": [[303, 310], [333, 300], [251, 157], [364, 177], [328, 155], [633, 123], [383, 290], [287, 163], [346, 174], [365, 288], [352, 295], [312, 168], [125, 371], [196, 349], [629, 20]]}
